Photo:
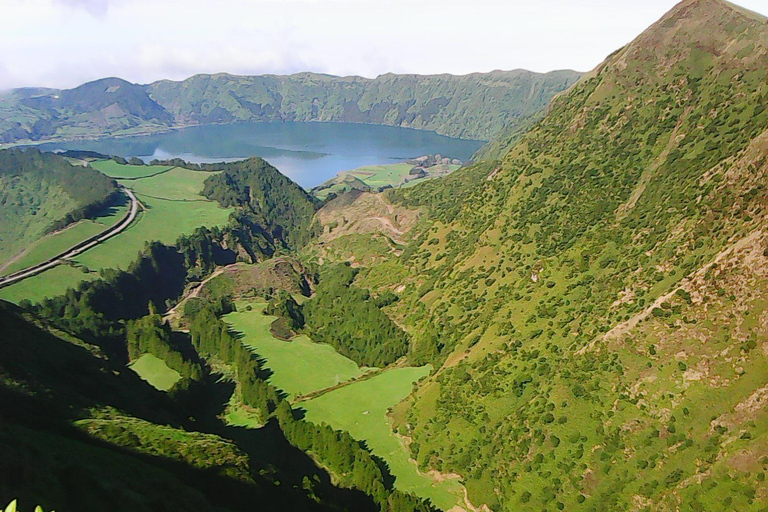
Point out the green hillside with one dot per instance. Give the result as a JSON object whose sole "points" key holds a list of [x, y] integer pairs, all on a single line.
{"points": [[270, 206], [82, 432], [575, 321], [475, 106], [101, 107], [596, 298], [42, 192]]}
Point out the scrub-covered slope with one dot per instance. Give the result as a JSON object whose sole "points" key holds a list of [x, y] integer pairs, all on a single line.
{"points": [[597, 299], [40, 192]]}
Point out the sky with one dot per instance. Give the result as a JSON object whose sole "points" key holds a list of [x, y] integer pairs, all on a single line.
{"points": [[63, 43]]}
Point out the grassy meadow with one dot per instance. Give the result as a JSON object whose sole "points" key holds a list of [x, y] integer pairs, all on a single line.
{"points": [[56, 243], [376, 177], [300, 366], [361, 409], [176, 209], [116, 170], [373, 176], [154, 370], [51, 283], [164, 221], [175, 185]]}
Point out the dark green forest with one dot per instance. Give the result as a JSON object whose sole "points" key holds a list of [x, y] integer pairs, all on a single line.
{"points": [[349, 319]]}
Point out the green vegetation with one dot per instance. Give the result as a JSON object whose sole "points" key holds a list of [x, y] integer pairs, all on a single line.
{"points": [[186, 207], [47, 285], [150, 335], [120, 251], [267, 202], [154, 370], [12, 507], [592, 297], [346, 317], [80, 112], [59, 241], [361, 409], [116, 170], [372, 177], [299, 366], [177, 184], [154, 225], [573, 375], [350, 463], [42, 192], [84, 433], [199, 450], [475, 106], [376, 178]]}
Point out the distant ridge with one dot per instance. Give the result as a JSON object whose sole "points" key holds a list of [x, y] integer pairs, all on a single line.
{"points": [[473, 106]]}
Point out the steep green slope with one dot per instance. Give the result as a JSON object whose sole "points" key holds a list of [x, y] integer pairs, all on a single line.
{"points": [[575, 375], [270, 207], [41, 192]]}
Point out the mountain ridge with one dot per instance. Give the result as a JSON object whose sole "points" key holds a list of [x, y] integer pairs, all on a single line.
{"points": [[476, 105], [639, 195]]}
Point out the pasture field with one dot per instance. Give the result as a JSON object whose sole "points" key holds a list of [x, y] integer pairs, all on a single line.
{"points": [[361, 409], [299, 366], [383, 175], [155, 371], [50, 283], [374, 176], [175, 185], [449, 169], [116, 170], [56, 243], [163, 220], [378, 176]]}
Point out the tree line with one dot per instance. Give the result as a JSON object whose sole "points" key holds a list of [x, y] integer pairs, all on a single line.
{"points": [[349, 319], [347, 459]]}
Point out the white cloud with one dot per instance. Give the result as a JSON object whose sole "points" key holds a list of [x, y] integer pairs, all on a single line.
{"points": [[62, 43], [97, 8]]}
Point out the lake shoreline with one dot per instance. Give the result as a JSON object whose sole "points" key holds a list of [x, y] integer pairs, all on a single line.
{"points": [[309, 153]]}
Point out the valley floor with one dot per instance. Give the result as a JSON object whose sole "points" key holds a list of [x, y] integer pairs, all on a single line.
{"points": [[301, 367]]}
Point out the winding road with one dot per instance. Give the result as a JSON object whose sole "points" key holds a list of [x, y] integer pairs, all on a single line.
{"points": [[79, 248]]}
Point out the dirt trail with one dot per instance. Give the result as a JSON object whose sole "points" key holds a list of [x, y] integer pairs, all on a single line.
{"points": [[194, 292], [645, 177], [388, 224], [385, 221], [387, 205], [686, 283]]}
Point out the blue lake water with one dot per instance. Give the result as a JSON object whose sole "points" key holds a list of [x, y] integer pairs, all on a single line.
{"points": [[308, 153]]}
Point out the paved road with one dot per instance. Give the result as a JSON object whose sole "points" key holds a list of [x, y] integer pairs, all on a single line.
{"points": [[77, 249]]}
